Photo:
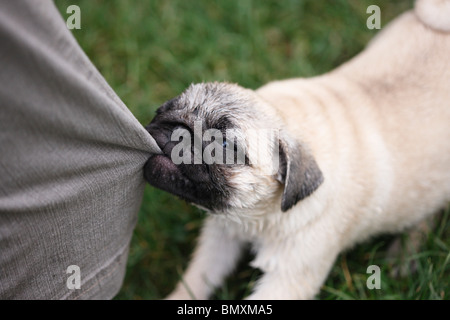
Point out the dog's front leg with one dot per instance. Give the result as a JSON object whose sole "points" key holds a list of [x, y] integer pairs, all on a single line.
{"points": [[215, 256], [294, 268]]}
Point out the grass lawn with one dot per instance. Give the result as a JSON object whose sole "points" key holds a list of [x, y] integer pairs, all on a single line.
{"points": [[150, 51]]}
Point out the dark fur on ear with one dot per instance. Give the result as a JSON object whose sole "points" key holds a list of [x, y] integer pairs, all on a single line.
{"points": [[298, 171]]}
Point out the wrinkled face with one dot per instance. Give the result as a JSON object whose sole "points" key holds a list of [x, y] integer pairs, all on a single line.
{"points": [[208, 157], [225, 150]]}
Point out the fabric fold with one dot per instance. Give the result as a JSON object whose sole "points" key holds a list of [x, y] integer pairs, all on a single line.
{"points": [[71, 161]]}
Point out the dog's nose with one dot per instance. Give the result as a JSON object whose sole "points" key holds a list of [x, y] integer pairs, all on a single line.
{"points": [[160, 134]]}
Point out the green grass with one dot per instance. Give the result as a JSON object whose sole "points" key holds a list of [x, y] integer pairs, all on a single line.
{"points": [[150, 51]]}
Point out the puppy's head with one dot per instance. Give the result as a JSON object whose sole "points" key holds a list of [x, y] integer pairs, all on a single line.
{"points": [[225, 149]]}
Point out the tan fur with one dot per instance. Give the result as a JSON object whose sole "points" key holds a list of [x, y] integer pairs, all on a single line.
{"points": [[378, 128]]}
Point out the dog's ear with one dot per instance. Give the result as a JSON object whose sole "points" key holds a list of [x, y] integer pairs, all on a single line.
{"points": [[298, 171]]}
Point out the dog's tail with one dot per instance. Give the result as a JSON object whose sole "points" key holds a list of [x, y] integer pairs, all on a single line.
{"points": [[434, 13]]}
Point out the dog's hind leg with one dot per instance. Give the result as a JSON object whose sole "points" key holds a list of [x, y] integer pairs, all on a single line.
{"points": [[403, 248]]}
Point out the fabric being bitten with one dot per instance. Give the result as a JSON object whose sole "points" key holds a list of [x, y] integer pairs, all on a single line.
{"points": [[71, 161]]}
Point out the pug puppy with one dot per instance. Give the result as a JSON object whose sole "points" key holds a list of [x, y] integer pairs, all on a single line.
{"points": [[359, 151]]}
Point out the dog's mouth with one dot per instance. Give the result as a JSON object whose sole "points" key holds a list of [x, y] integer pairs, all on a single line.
{"points": [[190, 182], [163, 166], [162, 173], [165, 162]]}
